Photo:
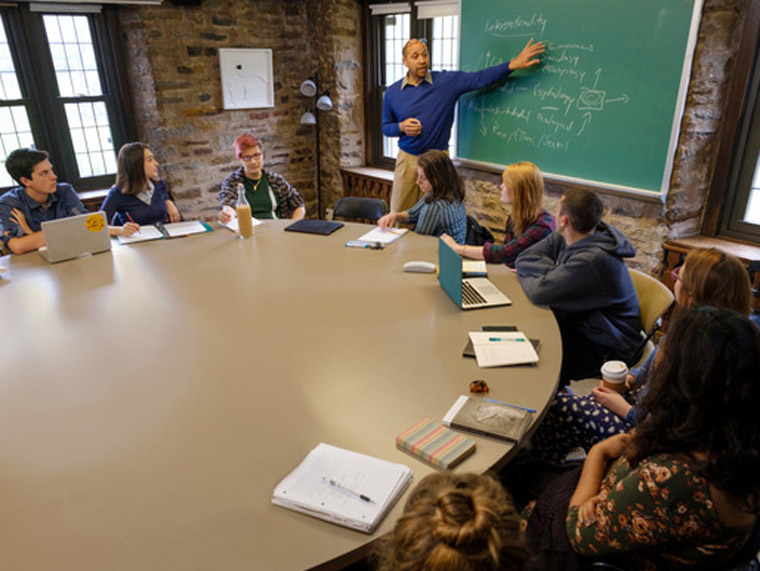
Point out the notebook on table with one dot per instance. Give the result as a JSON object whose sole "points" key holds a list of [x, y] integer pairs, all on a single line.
{"points": [[75, 236], [343, 487], [323, 227], [468, 293]]}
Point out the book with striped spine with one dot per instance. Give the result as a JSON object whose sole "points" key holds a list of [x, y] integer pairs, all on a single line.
{"points": [[435, 444]]}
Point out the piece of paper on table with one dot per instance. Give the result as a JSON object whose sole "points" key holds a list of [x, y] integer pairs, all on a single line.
{"points": [[383, 236], [145, 233], [184, 228], [500, 348], [235, 227]]}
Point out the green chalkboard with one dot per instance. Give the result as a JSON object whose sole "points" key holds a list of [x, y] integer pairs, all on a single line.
{"points": [[604, 106]]}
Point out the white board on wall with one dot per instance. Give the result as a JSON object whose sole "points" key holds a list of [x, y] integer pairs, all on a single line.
{"points": [[247, 79]]}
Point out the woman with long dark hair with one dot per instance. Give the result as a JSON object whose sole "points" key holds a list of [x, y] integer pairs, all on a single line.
{"points": [[138, 196], [683, 489], [441, 210]]}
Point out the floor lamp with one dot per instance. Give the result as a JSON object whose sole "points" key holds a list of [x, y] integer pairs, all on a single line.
{"points": [[310, 88]]}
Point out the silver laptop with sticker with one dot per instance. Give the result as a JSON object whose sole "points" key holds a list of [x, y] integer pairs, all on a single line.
{"points": [[75, 236]]}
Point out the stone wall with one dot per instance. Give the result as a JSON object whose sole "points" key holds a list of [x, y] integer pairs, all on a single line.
{"points": [[173, 65], [174, 75], [649, 224]]}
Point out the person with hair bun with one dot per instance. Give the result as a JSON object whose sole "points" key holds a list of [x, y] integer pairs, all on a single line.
{"points": [[707, 277], [268, 193], [682, 490], [522, 187], [441, 210], [455, 521]]}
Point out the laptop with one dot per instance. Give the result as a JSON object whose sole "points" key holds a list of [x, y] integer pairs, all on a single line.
{"points": [[471, 293], [75, 236]]}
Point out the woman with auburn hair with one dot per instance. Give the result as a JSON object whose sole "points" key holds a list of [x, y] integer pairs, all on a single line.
{"points": [[268, 193], [139, 196], [522, 186], [441, 210], [708, 277], [682, 489], [455, 521]]}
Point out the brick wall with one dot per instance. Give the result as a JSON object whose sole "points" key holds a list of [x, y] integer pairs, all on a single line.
{"points": [[172, 55]]}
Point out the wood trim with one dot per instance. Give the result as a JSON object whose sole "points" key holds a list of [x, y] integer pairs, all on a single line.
{"points": [[735, 107]]}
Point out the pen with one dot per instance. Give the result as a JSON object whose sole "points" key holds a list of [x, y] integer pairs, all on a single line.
{"points": [[340, 486], [506, 338], [130, 218], [512, 405]]}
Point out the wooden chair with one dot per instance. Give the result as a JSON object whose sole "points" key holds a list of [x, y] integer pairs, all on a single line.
{"points": [[654, 301]]}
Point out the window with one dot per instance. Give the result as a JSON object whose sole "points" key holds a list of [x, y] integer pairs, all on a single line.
{"points": [[391, 26], [742, 217], [59, 91]]}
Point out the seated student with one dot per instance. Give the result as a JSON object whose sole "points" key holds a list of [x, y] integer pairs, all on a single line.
{"points": [[707, 277], [40, 198], [138, 195], [441, 210], [268, 193], [579, 272], [522, 186], [455, 521], [683, 489]]}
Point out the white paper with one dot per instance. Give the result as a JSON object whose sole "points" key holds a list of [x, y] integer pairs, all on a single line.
{"points": [[383, 236], [176, 229], [472, 267], [307, 488], [147, 232], [500, 348], [234, 226]]}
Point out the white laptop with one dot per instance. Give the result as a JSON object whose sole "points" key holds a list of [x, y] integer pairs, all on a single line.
{"points": [[469, 293], [75, 236]]}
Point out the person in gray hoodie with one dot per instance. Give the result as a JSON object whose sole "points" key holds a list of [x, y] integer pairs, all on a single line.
{"points": [[579, 272]]}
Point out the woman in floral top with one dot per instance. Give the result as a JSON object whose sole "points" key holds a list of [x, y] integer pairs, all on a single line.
{"points": [[522, 187], [682, 490]]}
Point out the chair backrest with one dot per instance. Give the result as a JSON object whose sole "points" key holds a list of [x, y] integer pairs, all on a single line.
{"points": [[654, 299], [357, 207]]}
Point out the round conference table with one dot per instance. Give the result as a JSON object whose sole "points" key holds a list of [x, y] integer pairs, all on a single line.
{"points": [[152, 397]]}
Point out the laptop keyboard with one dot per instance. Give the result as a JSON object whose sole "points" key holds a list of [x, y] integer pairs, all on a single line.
{"points": [[470, 295]]}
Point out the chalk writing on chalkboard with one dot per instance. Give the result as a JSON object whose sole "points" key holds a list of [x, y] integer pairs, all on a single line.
{"points": [[604, 105]]}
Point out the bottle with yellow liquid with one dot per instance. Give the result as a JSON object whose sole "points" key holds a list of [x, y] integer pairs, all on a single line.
{"points": [[245, 223]]}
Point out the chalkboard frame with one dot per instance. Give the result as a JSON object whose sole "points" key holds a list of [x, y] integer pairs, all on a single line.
{"points": [[654, 195]]}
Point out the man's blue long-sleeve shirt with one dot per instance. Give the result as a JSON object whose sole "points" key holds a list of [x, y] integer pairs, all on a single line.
{"points": [[433, 104]]}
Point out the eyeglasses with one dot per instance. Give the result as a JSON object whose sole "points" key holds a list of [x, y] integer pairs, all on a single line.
{"points": [[249, 158], [675, 274]]}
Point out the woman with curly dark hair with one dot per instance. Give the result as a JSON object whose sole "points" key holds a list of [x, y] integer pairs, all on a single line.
{"points": [[683, 489], [455, 521]]}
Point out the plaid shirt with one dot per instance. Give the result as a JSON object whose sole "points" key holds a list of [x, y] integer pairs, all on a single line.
{"points": [[507, 254], [288, 198]]}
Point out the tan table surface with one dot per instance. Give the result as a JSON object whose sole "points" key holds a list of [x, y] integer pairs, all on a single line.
{"points": [[152, 397]]}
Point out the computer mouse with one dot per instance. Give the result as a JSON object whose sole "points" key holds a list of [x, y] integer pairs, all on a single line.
{"points": [[419, 267]]}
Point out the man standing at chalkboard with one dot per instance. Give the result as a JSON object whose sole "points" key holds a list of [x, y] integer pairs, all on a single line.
{"points": [[419, 109]]}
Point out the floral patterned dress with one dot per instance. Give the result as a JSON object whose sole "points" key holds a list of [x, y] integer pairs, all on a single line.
{"points": [[660, 515]]}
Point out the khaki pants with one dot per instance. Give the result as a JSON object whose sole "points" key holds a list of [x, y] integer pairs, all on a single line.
{"points": [[405, 193]]}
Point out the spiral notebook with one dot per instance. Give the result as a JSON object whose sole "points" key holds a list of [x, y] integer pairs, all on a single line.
{"points": [[343, 487]]}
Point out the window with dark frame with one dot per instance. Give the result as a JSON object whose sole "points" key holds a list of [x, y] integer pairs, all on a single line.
{"points": [[390, 27], [60, 91], [742, 213]]}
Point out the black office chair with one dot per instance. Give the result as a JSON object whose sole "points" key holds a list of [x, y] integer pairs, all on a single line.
{"points": [[360, 208]]}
